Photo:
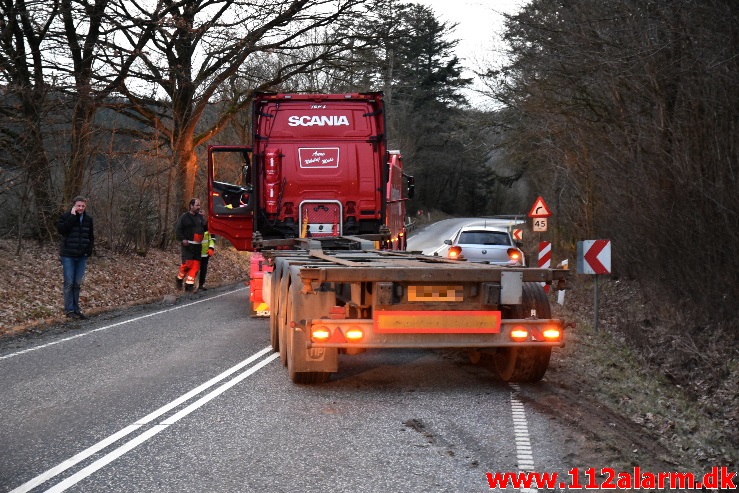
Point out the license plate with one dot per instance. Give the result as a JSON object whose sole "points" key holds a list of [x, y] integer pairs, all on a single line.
{"points": [[435, 293]]}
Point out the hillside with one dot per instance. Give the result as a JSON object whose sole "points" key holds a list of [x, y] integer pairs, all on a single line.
{"points": [[32, 294]]}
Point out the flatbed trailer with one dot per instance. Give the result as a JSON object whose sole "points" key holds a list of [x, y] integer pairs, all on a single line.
{"points": [[339, 295], [321, 197]]}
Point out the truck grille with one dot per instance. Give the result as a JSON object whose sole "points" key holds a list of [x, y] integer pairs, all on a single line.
{"points": [[320, 218]]}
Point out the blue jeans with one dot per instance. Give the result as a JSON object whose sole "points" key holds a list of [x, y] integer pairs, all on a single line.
{"points": [[73, 269]]}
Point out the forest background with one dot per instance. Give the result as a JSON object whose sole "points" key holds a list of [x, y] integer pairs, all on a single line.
{"points": [[622, 114]]}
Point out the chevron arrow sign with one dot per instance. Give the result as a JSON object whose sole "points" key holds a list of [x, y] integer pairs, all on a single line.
{"points": [[594, 257]]}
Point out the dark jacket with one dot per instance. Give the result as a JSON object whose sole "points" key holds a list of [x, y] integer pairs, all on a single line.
{"points": [[78, 238], [187, 227]]}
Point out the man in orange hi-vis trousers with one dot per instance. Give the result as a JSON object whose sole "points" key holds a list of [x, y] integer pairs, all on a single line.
{"points": [[190, 229]]}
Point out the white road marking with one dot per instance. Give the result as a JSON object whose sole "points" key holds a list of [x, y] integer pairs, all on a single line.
{"points": [[43, 477], [524, 457], [18, 353], [111, 456]]}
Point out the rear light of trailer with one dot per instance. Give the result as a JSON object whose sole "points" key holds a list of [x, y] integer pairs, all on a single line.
{"points": [[354, 334], [338, 334], [519, 334], [319, 333], [454, 253], [552, 334]]}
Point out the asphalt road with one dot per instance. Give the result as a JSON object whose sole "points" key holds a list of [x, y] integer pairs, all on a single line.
{"points": [[187, 397], [430, 238]]}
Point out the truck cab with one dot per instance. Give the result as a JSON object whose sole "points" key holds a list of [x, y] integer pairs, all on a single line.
{"points": [[318, 166]]}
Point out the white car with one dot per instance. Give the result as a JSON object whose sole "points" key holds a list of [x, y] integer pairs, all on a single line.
{"points": [[483, 243]]}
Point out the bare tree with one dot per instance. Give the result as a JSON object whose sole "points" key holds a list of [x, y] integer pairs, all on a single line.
{"points": [[86, 43], [51, 60], [24, 27], [624, 111], [200, 45]]}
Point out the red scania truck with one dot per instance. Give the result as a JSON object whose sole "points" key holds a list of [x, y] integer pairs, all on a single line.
{"points": [[321, 201]]}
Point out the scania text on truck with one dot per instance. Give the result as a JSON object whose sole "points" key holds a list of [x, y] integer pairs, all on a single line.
{"points": [[322, 199]]}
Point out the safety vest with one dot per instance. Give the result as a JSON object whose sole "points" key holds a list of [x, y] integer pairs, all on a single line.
{"points": [[208, 242]]}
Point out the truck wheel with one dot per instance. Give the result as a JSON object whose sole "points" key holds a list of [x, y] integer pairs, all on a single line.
{"points": [[526, 364], [301, 377]]}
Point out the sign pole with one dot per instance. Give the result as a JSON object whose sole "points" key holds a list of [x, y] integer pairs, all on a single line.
{"points": [[595, 301], [594, 257]]}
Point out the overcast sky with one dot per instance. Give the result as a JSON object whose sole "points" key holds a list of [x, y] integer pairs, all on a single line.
{"points": [[480, 25]]}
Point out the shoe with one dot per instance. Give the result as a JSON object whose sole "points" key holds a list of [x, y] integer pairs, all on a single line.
{"points": [[202, 288], [80, 315], [179, 283], [72, 315], [189, 288]]}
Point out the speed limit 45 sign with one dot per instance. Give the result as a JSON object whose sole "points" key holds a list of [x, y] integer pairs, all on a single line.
{"points": [[539, 224]]}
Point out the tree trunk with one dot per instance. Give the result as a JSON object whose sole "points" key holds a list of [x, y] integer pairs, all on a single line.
{"points": [[78, 162], [37, 166], [186, 164]]}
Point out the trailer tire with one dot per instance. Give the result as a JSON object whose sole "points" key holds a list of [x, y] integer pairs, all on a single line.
{"points": [[310, 377], [526, 364], [274, 325], [282, 316], [274, 335]]}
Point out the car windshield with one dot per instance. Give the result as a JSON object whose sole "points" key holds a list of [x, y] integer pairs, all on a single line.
{"points": [[484, 238]]}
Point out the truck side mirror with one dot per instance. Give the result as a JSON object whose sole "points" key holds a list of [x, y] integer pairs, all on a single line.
{"points": [[411, 191]]}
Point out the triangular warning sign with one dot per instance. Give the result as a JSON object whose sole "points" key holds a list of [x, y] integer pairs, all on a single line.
{"points": [[337, 337], [540, 209]]}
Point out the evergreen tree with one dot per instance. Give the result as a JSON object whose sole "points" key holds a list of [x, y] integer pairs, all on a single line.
{"points": [[427, 71], [422, 78]]}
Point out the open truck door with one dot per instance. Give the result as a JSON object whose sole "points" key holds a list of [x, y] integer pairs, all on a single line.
{"points": [[231, 199]]}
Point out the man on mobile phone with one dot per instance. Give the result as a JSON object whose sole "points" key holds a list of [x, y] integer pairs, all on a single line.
{"points": [[76, 245]]}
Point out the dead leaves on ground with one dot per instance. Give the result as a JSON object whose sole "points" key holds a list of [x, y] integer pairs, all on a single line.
{"points": [[32, 290]]}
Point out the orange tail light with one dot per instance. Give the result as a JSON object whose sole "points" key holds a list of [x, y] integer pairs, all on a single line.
{"points": [[319, 333], [514, 254], [552, 333], [519, 334], [454, 252], [354, 334]]}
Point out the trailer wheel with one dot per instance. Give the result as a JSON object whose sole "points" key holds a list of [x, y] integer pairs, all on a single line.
{"points": [[301, 377], [523, 365], [282, 315], [274, 324], [526, 364], [274, 335]]}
